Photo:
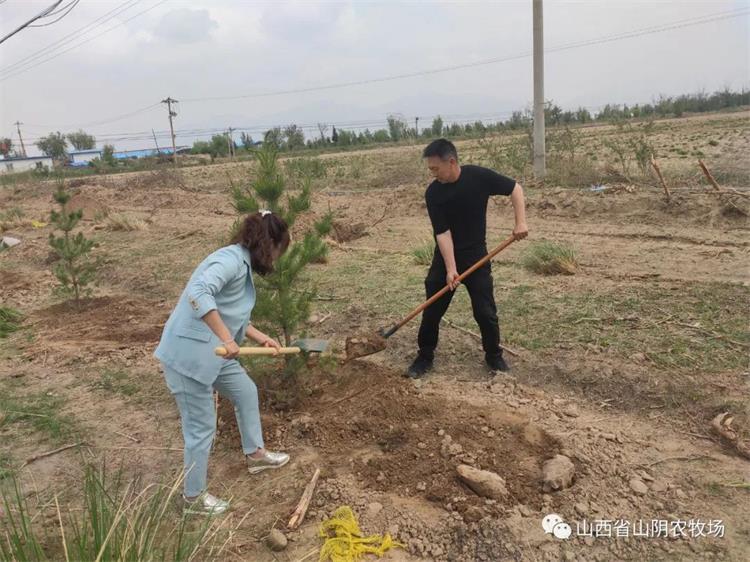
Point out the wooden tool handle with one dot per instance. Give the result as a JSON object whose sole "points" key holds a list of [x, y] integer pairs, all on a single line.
{"points": [[445, 289], [260, 351]]}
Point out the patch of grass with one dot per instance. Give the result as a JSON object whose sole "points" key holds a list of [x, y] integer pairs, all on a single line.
{"points": [[39, 411], [116, 382], [123, 223], [119, 520], [306, 167], [6, 465], [713, 142], [549, 258], [424, 253], [10, 321], [12, 218], [702, 328]]}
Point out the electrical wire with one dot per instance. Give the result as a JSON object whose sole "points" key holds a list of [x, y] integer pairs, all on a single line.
{"points": [[525, 54], [40, 15], [72, 36], [69, 7], [22, 70]]}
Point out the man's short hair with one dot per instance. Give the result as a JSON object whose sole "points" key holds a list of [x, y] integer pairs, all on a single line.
{"points": [[442, 148]]}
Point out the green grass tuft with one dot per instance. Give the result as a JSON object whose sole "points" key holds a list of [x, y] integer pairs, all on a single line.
{"points": [[10, 321], [424, 253], [548, 258]]}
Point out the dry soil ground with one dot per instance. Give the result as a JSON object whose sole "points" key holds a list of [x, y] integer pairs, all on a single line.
{"points": [[620, 367]]}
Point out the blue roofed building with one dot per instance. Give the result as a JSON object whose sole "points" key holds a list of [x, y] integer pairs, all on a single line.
{"points": [[81, 158]]}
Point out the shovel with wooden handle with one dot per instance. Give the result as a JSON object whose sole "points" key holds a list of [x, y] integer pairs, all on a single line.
{"points": [[367, 345], [308, 345]]}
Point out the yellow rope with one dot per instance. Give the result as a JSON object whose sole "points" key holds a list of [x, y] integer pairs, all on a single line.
{"points": [[344, 541]]}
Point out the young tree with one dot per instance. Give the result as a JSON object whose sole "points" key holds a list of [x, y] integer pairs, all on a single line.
{"points": [[82, 140], [294, 136], [284, 297], [217, 146], [437, 126], [396, 127], [53, 145], [334, 135], [108, 155], [6, 146], [74, 268], [246, 140], [274, 137]]}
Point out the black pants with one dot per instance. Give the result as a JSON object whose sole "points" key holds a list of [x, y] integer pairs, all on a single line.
{"points": [[479, 285]]}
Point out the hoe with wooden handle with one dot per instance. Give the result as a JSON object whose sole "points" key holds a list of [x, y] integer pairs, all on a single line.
{"points": [[361, 346]]}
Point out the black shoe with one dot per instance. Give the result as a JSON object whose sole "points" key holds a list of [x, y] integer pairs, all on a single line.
{"points": [[496, 363], [419, 367]]}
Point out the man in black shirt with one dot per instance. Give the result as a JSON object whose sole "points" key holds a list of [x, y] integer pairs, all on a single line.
{"points": [[457, 205]]}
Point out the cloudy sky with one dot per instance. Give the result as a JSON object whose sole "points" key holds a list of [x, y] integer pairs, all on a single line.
{"points": [[107, 64]]}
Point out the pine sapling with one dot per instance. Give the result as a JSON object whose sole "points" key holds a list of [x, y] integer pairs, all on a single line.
{"points": [[74, 268], [284, 296]]}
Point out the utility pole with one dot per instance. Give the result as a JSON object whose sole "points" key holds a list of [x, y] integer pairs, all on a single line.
{"points": [[156, 143], [539, 148], [230, 139], [416, 125], [20, 138], [169, 101]]}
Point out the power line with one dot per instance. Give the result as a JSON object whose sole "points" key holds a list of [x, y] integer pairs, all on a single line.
{"points": [[358, 124], [573, 45], [69, 9], [605, 39], [70, 37], [40, 15], [22, 70]]}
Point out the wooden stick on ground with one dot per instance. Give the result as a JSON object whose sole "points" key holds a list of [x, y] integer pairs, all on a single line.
{"points": [[134, 439], [477, 336], [304, 502], [708, 175], [661, 178], [50, 453]]}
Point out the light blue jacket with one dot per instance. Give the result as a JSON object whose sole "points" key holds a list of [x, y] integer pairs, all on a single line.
{"points": [[222, 282]]}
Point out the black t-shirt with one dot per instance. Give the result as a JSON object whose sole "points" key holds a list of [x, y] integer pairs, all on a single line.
{"points": [[461, 207]]}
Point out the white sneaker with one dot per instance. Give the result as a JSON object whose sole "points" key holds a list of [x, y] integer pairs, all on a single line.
{"points": [[269, 460], [205, 504]]}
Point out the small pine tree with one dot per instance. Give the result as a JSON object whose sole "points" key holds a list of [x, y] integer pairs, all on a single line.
{"points": [[284, 297], [74, 268]]}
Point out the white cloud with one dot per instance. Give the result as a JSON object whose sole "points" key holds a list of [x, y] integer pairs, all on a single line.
{"points": [[201, 49], [185, 26]]}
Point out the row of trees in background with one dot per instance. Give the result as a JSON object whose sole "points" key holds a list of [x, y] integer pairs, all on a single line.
{"points": [[292, 137], [54, 145]]}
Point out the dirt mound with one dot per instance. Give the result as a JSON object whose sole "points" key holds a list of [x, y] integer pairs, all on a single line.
{"points": [[346, 232], [12, 280], [120, 320], [646, 205], [375, 426], [92, 208]]}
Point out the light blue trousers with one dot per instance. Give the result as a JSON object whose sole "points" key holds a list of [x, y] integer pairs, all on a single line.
{"points": [[196, 405]]}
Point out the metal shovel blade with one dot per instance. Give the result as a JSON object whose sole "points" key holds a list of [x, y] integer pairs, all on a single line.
{"points": [[311, 345]]}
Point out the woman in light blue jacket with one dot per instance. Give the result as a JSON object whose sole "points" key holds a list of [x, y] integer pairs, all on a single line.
{"points": [[214, 309]]}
